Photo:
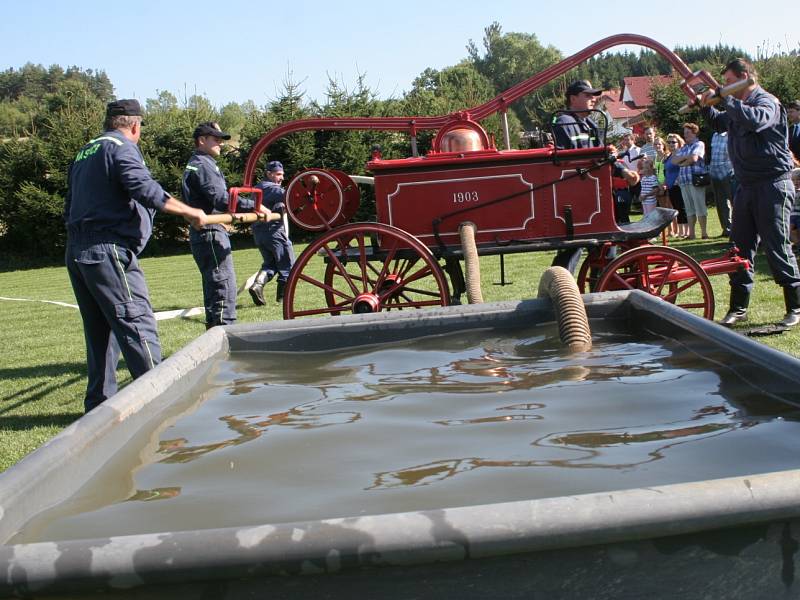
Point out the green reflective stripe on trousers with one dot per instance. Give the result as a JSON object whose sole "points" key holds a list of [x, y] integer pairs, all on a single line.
{"points": [[122, 272], [216, 262], [130, 297], [785, 227], [149, 354]]}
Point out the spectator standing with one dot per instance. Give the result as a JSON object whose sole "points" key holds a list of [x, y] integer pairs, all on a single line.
{"points": [[671, 172], [624, 194], [649, 147], [690, 158], [649, 183], [270, 237], [662, 192], [793, 116], [109, 208], [722, 180], [758, 146]]}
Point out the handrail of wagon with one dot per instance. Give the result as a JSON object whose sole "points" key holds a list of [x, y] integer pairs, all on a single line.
{"points": [[498, 104]]}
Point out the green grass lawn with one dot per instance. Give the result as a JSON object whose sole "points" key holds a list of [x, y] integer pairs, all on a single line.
{"points": [[43, 371]]}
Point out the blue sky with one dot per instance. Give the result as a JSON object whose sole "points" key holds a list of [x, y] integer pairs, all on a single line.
{"points": [[237, 50]]}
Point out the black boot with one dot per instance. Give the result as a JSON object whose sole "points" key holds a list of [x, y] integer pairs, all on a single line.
{"points": [[257, 289], [740, 300], [279, 289], [791, 296]]}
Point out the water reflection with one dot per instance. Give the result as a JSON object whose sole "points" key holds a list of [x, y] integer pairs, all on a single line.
{"points": [[162, 493], [589, 449], [178, 450], [511, 411]]}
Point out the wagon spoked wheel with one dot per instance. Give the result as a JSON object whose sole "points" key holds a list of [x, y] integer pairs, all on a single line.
{"points": [[592, 266], [369, 267], [670, 274]]}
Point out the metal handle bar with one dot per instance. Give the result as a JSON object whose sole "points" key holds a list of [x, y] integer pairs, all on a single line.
{"points": [[719, 94], [498, 104]]}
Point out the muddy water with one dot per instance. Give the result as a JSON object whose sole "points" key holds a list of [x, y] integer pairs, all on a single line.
{"points": [[446, 421]]}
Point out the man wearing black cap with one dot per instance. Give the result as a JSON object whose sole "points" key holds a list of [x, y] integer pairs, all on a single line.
{"points": [[576, 129], [270, 237], [109, 208], [204, 187]]}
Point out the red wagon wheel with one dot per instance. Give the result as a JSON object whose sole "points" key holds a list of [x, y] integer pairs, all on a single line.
{"points": [[369, 267], [594, 263], [670, 274]]}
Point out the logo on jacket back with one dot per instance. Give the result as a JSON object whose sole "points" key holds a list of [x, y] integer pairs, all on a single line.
{"points": [[87, 152]]}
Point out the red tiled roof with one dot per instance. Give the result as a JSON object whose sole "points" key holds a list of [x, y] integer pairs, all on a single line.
{"points": [[618, 109], [639, 88]]}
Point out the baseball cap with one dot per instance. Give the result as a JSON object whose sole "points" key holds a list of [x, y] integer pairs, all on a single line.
{"points": [[583, 85], [127, 107], [210, 128], [274, 165]]}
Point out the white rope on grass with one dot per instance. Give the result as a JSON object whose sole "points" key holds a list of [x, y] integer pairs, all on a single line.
{"points": [[181, 312], [160, 316], [45, 301]]}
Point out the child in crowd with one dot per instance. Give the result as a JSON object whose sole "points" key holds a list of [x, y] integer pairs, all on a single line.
{"points": [[794, 220], [649, 182]]}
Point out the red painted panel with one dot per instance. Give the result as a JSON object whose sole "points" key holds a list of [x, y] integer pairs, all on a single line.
{"points": [[507, 201]]}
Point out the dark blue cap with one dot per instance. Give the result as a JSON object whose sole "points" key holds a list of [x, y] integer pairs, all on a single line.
{"points": [[210, 128], [576, 87], [121, 108], [274, 165]]}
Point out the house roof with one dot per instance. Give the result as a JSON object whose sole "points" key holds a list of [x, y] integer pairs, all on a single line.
{"points": [[619, 110], [637, 89]]}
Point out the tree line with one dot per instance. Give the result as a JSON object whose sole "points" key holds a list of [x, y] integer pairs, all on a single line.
{"points": [[47, 114]]}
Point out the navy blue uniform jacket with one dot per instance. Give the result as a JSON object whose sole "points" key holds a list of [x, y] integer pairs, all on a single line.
{"points": [[112, 196], [757, 136], [273, 199], [204, 187]]}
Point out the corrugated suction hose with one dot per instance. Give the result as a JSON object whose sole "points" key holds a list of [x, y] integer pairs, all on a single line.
{"points": [[573, 325], [472, 265]]}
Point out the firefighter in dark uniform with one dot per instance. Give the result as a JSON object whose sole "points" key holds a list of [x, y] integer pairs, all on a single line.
{"points": [[204, 187], [109, 209], [759, 151], [575, 130], [270, 237]]}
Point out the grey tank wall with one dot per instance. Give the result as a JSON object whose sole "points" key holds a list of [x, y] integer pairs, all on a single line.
{"points": [[308, 559]]}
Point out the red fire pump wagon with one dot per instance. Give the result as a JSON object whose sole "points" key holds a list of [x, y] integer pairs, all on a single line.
{"points": [[467, 198]]}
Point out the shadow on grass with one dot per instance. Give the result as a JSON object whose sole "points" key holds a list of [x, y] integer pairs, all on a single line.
{"points": [[53, 376], [717, 248], [704, 249], [49, 370], [32, 394], [23, 423]]}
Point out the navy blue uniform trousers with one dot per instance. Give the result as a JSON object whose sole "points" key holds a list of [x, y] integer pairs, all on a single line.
{"points": [[276, 250], [211, 249], [113, 299], [761, 214]]}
